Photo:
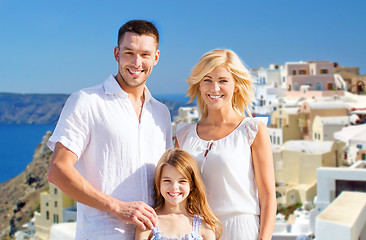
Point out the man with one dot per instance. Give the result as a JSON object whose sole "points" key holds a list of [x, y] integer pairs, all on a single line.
{"points": [[108, 140]]}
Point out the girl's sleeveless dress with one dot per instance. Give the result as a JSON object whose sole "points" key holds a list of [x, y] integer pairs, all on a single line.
{"points": [[194, 235], [227, 172]]}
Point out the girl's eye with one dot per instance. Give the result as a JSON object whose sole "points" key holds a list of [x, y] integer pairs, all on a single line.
{"points": [[206, 80], [223, 81], [166, 180], [183, 181]]}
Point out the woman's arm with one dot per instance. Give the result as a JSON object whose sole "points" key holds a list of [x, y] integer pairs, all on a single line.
{"points": [[264, 176]]}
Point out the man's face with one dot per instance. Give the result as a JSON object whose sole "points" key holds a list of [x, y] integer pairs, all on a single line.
{"points": [[136, 56]]}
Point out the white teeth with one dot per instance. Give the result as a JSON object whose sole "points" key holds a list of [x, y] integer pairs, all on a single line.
{"points": [[215, 96], [134, 72], [174, 194]]}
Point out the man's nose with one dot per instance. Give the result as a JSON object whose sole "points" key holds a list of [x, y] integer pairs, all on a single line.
{"points": [[137, 60]]}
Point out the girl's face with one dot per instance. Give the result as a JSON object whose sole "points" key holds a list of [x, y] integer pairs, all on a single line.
{"points": [[217, 88], [173, 186]]}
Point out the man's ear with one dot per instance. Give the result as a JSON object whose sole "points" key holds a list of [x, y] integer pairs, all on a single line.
{"points": [[116, 53], [157, 55]]}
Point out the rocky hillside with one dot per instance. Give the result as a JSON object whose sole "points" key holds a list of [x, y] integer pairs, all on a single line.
{"points": [[19, 197], [44, 108], [30, 108]]}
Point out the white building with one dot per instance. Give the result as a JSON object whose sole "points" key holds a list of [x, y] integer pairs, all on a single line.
{"points": [[324, 127], [344, 218], [269, 86], [355, 139]]}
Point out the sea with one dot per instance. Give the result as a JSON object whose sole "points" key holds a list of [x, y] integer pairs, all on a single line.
{"points": [[18, 142], [17, 145]]}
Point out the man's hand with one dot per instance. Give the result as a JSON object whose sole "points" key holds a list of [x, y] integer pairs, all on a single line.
{"points": [[138, 213]]}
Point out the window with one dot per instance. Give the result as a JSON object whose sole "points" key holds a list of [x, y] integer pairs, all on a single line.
{"points": [[47, 215], [264, 81], [55, 191], [55, 203], [359, 146], [363, 156], [283, 79], [324, 71], [55, 218], [280, 123], [46, 204], [293, 72], [274, 140], [302, 72], [318, 86], [345, 155], [278, 140], [270, 138]]}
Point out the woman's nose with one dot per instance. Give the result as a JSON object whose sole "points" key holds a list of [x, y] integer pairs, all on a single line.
{"points": [[215, 86]]}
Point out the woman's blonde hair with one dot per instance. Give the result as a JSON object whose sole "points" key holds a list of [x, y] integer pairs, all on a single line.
{"points": [[196, 200], [244, 83]]}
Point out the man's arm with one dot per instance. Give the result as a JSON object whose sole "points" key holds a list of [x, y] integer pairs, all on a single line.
{"points": [[64, 175]]}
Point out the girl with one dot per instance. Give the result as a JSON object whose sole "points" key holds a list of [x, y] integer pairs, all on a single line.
{"points": [[233, 152], [180, 201]]}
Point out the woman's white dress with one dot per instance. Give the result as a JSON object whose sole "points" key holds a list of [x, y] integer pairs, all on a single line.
{"points": [[227, 171]]}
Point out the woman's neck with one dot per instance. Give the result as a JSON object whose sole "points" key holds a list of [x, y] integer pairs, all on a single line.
{"points": [[218, 117]]}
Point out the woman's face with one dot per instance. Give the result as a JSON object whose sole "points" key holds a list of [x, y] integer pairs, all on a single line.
{"points": [[217, 88]]}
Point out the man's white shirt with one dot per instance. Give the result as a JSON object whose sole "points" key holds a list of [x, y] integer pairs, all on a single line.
{"points": [[116, 152]]}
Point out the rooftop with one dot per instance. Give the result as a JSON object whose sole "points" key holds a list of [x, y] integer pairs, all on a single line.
{"points": [[345, 209], [341, 120], [309, 146]]}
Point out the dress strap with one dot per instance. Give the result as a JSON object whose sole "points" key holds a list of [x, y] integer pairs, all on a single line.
{"points": [[196, 224], [156, 234]]}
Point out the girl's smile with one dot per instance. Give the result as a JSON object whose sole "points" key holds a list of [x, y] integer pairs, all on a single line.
{"points": [[173, 187]]}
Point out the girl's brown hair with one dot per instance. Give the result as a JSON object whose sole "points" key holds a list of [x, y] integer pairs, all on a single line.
{"points": [[196, 200]]}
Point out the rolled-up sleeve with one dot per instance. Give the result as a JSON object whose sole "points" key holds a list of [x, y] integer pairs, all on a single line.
{"points": [[72, 128]]}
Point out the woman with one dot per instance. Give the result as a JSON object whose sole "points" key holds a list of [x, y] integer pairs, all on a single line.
{"points": [[233, 151]]}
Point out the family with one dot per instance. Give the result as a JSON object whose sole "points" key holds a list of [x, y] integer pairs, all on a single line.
{"points": [[113, 152]]}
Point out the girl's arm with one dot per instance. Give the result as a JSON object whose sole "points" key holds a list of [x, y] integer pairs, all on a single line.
{"points": [[206, 232], [142, 235], [264, 176]]}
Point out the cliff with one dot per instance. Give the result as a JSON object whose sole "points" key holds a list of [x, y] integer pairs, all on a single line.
{"points": [[44, 108], [19, 197], [30, 108]]}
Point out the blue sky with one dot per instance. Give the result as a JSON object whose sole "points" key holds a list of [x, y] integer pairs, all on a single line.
{"points": [[62, 46]]}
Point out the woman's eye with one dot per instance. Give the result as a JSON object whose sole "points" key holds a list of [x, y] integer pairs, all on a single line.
{"points": [[206, 80]]}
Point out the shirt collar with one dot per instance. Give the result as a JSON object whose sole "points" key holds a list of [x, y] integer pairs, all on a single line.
{"points": [[111, 87]]}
